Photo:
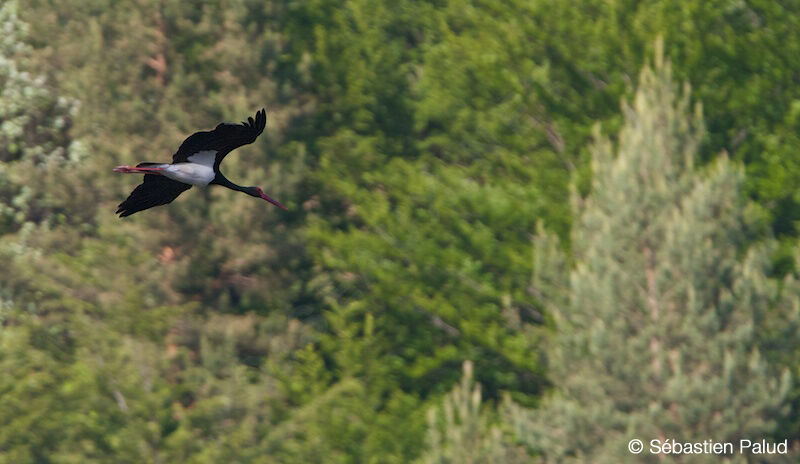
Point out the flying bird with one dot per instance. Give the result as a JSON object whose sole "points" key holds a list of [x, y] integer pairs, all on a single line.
{"points": [[195, 163]]}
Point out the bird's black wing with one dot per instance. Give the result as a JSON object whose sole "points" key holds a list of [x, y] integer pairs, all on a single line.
{"points": [[156, 190], [225, 138]]}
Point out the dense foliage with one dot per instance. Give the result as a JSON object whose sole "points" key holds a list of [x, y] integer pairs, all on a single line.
{"points": [[463, 263], [666, 314]]}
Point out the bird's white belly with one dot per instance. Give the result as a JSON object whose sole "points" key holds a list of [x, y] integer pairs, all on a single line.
{"points": [[190, 173]]}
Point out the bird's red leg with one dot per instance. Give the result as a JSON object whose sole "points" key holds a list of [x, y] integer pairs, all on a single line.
{"points": [[134, 170]]}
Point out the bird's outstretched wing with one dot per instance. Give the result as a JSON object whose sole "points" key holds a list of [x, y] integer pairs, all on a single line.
{"points": [[156, 190], [222, 140]]}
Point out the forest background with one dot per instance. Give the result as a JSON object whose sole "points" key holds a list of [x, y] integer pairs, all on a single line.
{"points": [[518, 231]]}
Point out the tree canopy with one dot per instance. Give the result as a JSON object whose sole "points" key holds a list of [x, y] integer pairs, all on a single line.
{"points": [[465, 263]]}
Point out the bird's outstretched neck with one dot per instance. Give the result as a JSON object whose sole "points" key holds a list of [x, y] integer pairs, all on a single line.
{"points": [[219, 179], [252, 191]]}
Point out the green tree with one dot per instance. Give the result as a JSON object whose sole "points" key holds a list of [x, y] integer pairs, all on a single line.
{"points": [[100, 366], [416, 143], [668, 326], [425, 247], [538, 75], [149, 73], [460, 430], [34, 141]]}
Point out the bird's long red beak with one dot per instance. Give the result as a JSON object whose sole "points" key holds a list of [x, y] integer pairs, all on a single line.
{"points": [[274, 202]]}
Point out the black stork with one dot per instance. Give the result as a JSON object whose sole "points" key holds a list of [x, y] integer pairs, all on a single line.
{"points": [[196, 163]]}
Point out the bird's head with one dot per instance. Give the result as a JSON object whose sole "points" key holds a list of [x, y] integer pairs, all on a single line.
{"points": [[257, 192]]}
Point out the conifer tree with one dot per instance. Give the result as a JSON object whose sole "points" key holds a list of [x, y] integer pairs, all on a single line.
{"points": [[667, 324], [34, 139], [460, 430]]}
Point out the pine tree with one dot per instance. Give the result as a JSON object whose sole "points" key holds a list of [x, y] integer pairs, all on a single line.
{"points": [[460, 431], [34, 138], [666, 323]]}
